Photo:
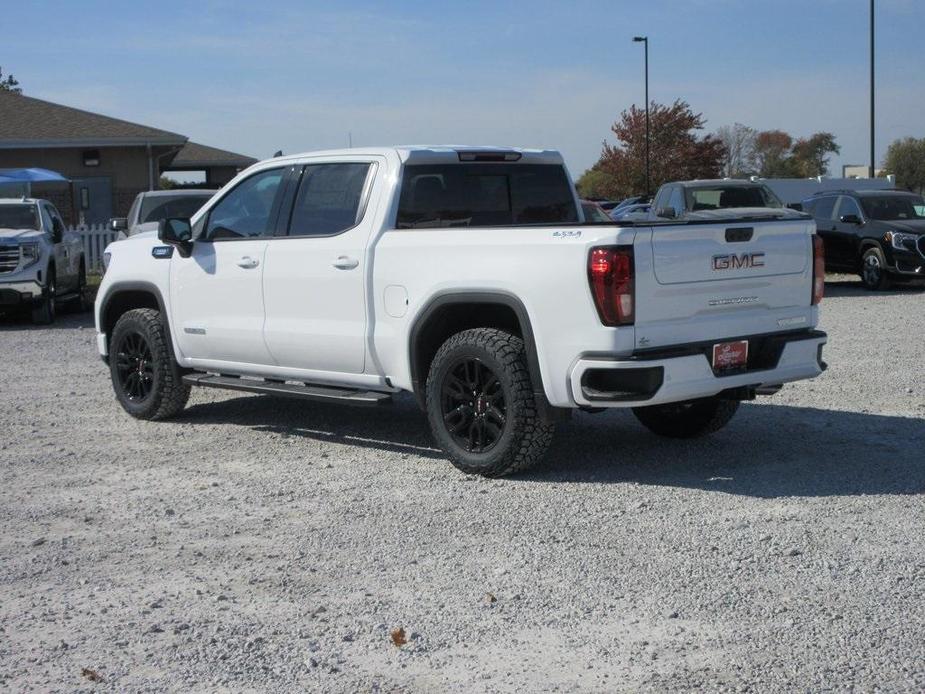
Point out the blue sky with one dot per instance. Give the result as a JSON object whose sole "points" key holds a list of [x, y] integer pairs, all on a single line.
{"points": [[258, 77]]}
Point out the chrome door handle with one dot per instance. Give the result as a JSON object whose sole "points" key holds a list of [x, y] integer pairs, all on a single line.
{"points": [[247, 262], [344, 262]]}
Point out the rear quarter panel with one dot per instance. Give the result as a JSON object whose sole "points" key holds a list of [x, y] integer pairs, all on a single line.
{"points": [[545, 268]]}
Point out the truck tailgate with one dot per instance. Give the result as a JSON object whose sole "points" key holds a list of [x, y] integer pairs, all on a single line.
{"points": [[706, 281]]}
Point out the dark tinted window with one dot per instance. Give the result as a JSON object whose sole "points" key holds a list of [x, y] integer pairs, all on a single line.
{"points": [[154, 208], [19, 217], [893, 207], [824, 207], [848, 205], [726, 197], [328, 200], [464, 195], [245, 211]]}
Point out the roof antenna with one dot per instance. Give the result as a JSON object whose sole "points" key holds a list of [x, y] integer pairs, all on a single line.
{"points": [[349, 140], [277, 153]]}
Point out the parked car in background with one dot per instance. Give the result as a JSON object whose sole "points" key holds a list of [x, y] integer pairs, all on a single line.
{"points": [[633, 200], [152, 206], [878, 234], [630, 212], [40, 261], [593, 212], [463, 276], [707, 199]]}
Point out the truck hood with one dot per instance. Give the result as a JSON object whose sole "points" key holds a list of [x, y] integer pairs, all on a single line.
{"points": [[18, 235], [143, 228], [910, 226]]}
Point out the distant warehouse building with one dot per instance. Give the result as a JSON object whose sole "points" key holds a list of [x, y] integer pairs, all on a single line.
{"points": [[109, 160]]}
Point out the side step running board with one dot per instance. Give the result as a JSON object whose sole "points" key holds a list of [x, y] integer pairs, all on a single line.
{"points": [[347, 396]]}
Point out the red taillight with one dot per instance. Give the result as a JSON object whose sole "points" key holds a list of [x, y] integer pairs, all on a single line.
{"points": [[610, 272], [818, 269]]}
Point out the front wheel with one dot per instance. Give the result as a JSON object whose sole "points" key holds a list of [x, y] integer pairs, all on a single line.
{"points": [[689, 419], [874, 275], [481, 405], [43, 311], [145, 376]]}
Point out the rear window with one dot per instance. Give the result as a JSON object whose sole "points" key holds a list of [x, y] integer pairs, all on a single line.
{"points": [[480, 195], [154, 208], [19, 217], [720, 198]]}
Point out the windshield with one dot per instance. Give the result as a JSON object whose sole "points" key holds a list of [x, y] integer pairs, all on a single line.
{"points": [[158, 207], [726, 197], [894, 207], [19, 217]]}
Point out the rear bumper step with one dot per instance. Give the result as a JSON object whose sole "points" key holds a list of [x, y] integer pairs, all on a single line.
{"points": [[346, 396], [686, 374]]}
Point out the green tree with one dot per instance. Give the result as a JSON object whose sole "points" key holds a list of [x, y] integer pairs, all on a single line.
{"points": [[593, 183], [905, 159], [809, 155], [677, 152], [9, 83]]}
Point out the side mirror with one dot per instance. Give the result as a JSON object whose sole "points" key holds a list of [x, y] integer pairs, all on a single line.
{"points": [[850, 219], [178, 233], [118, 224], [57, 230], [666, 212]]}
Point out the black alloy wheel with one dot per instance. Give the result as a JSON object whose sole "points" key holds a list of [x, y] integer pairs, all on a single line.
{"points": [[473, 405], [135, 367]]}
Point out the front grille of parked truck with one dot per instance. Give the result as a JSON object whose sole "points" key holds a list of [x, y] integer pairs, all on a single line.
{"points": [[9, 258]]}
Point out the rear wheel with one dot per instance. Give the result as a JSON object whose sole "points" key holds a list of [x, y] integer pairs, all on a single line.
{"points": [[43, 311], [874, 275], [689, 419], [145, 376], [481, 406]]}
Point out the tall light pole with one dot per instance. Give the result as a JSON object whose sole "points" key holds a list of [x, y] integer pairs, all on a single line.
{"points": [[645, 41], [873, 161]]}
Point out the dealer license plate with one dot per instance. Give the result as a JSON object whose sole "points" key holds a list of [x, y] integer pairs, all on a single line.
{"points": [[730, 356]]}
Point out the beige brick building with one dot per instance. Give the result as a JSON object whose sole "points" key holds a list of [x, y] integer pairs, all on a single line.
{"points": [[108, 160]]}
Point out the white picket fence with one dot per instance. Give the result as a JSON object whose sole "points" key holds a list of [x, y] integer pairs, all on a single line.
{"points": [[95, 238]]}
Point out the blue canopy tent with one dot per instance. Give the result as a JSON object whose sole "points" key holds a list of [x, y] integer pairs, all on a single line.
{"points": [[19, 181], [31, 176]]}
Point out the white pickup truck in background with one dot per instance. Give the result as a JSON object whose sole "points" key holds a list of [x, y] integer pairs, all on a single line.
{"points": [[468, 277]]}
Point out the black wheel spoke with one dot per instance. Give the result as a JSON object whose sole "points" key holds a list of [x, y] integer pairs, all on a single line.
{"points": [[473, 405], [135, 366]]}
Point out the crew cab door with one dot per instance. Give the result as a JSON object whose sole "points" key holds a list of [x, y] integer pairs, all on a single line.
{"points": [[314, 280], [216, 294], [843, 240]]}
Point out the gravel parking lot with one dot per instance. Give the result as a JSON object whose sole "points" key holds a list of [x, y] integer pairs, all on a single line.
{"points": [[264, 544]]}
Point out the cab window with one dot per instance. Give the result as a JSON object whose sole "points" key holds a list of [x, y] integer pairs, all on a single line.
{"points": [[247, 211], [329, 200]]}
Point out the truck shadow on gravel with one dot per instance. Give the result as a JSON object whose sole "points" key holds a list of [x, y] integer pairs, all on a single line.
{"points": [[847, 288], [767, 451]]}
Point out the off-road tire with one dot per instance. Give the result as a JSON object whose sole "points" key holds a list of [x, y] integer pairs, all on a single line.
{"points": [[524, 436], [43, 310], [168, 393], [80, 303], [687, 420], [874, 275]]}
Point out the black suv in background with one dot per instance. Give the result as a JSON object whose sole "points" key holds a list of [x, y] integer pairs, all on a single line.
{"points": [[878, 234]]}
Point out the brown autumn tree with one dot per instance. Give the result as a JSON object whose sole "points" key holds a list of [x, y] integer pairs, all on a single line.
{"points": [[772, 154], [677, 153]]}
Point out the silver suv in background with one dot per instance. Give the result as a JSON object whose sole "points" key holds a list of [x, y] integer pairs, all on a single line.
{"points": [[702, 199], [40, 261], [152, 206]]}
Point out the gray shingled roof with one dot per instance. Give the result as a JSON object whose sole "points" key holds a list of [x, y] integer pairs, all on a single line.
{"points": [[195, 155], [29, 122]]}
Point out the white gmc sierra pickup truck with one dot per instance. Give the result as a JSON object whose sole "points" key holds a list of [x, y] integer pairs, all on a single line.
{"points": [[468, 277]]}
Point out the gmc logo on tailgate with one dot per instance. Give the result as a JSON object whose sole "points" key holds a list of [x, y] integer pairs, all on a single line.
{"points": [[737, 262]]}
